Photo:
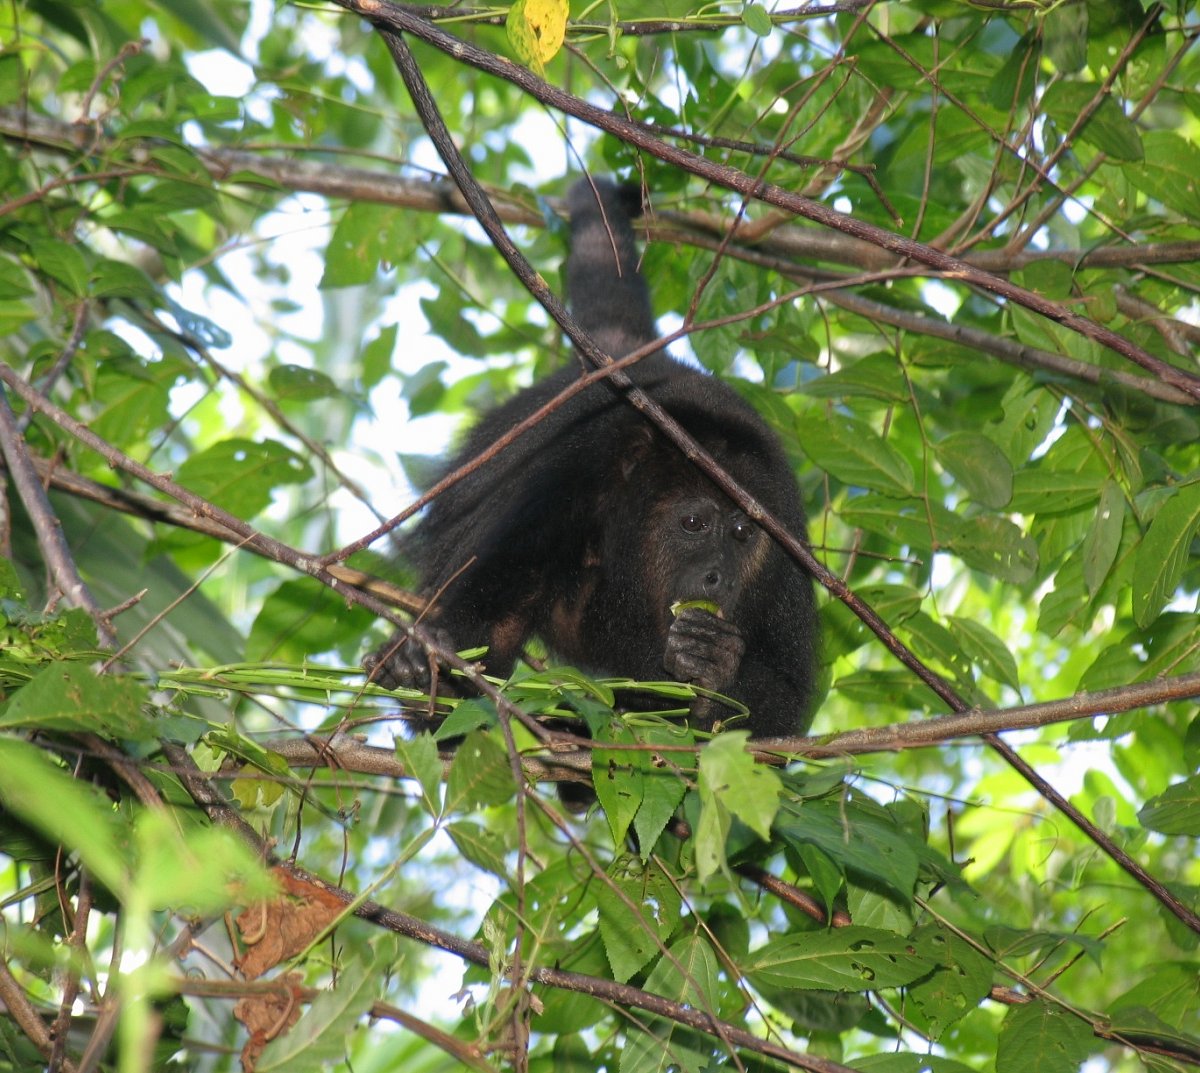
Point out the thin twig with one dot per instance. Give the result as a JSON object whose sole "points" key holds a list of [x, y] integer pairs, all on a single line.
{"points": [[46, 524]]}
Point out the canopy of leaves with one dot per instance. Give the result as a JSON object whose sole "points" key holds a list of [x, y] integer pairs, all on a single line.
{"points": [[949, 249]]}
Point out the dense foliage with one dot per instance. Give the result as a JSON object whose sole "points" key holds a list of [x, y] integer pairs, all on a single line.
{"points": [[242, 309]]}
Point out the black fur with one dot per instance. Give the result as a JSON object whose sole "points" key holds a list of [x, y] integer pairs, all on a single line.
{"points": [[587, 528]]}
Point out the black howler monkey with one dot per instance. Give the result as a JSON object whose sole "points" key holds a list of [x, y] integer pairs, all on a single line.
{"points": [[591, 526]]}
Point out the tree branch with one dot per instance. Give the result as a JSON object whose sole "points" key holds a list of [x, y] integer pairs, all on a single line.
{"points": [[46, 524], [438, 195], [349, 754]]}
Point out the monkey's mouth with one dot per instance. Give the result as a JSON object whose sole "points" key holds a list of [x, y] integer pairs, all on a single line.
{"points": [[700, 603]]}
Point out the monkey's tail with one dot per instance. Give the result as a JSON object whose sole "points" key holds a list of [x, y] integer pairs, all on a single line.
{"points": [[606, 290]]}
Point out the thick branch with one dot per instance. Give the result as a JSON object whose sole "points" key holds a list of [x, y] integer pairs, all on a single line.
{"points": [[793, 241], [350, 754], [139, 505]]}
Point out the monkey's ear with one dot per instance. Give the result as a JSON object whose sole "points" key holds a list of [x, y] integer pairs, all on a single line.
{"points": [[636, 448]]}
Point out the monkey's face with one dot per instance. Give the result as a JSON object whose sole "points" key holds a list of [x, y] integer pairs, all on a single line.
{"points": [[705, 550]]}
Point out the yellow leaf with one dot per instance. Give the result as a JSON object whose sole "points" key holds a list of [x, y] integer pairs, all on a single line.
{"points": [[536, 29]]}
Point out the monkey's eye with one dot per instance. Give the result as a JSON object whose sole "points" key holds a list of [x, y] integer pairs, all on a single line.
{"points": [[741, 532], [693, 523]]}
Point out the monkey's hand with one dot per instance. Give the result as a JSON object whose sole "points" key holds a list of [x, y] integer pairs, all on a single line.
{"points": [[402, 663], [703, 650]]}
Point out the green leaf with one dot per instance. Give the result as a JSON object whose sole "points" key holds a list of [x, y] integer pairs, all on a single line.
{"points": [[1040, 1038], [207, 869], [855, 453], [962, 980], [1176, 811], [419, 755], [730, 776], [876, 376], [1065, 36], [843, 631], [757, 20], [985, 649], [1170, 993], [1008, 943], [14, 280], [363, 238], [217, 28], [618, 783], [62, 262], [932, 641], [980, 465], [679, 606], [301, 617], [662, 792], [482, 847], [1168, 172], [1029, 415], [177, 196], [995, 546], [475, 713], [376, 356], [1163, 553], [1133, 1021], [635, 921], [1103, 537], [240, 474], [1049, 490], [320, 1036], [444, 311], [1108, 128], [690, 974], [856, 836], [709, 834], [12, 77], [82, 818], [212, 108], [145, 225], [300, 384], [116, 279], [908, 1062], [987, 543], [480, 774], [844, 959], [71, 696], [827, 875], [132, 395], [151, 130]]}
